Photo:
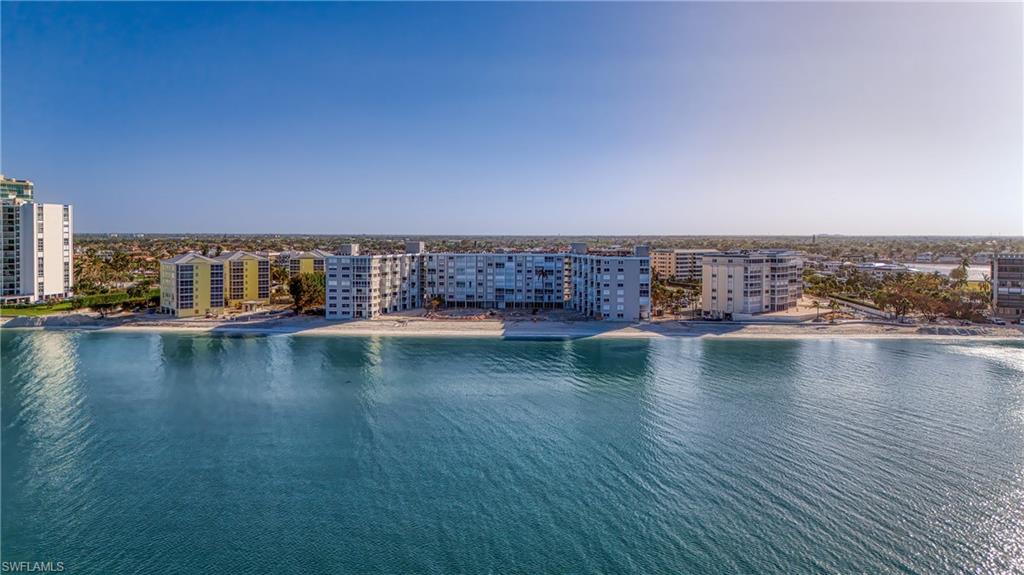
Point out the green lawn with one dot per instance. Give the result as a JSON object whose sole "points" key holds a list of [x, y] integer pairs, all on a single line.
{"points": [[36, 310]]}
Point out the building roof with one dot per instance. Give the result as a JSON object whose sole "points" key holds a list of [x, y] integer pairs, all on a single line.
{"points": [[317, 253], [774, 252], [235, 256], [188, 258]]}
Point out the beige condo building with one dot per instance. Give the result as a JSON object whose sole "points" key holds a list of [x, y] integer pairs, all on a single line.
{"points": [[684, 265], [739, 284]]}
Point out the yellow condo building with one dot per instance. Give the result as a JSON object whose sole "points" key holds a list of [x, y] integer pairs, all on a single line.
{"points": [[307, 262], [246, 279], [191, 285]]}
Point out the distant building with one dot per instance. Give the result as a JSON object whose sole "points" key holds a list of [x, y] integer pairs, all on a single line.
{"points": [[982, 258], [1007, 273], [246, 279], [924, 258], [880, 270], [37, 245], [191, 285], [832, 266], [744, 283], [678, 264], [307, 262]]}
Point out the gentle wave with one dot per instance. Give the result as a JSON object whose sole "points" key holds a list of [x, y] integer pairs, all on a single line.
{"points": [[170, 453]]}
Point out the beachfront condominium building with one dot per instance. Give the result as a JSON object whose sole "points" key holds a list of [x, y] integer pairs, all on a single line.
{"points": [[683, 265], [496, 280], [246, 280], [610, 286], [1007, 275], [367, 286], [307, 262], [743, 283], [191, 285], [364, 286], [38, 245]]}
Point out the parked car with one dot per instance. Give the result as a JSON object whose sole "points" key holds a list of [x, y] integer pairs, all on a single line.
{"points": [[997, 320]]}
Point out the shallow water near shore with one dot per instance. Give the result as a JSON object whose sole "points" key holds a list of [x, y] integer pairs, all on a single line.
{"points": [[172, 453]]}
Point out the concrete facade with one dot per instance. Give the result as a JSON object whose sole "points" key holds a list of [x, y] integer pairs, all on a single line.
{"points": [[684, 265], [363, 287], [246, 279], [307, 262], [610, 287], [741, 283], [37, 242], [1007, 273], [496, 280], [191, 285], [47, 250], [615, 287]]}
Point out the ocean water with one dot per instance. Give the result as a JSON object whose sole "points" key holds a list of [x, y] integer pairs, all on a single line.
{"points": [[159, 453]]}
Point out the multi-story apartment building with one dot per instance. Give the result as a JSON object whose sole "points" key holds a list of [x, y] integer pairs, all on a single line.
{"points": [[13, 194], [191, 285], [14, 189], [47, 250], [606, 286], [743, 283], [37, 241], [682, 265], [246, 279], [1007, 275], [366, 286], [496, 280], [307, 262], [609, 286]]}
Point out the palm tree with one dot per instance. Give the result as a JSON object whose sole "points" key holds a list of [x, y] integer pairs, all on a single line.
{"points": [[959, 275]]}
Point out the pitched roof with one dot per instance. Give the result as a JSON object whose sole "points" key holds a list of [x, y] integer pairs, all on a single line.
{"points": [[188, 258], [235, 256]]}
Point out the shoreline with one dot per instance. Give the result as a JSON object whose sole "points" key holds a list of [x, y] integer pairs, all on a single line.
{"points": [[529, 330]]}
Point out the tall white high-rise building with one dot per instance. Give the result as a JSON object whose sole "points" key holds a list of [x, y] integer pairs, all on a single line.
{"points": [[37, 240]]}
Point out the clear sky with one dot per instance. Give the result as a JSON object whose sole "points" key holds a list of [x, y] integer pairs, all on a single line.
{"points": [[531, 118]]}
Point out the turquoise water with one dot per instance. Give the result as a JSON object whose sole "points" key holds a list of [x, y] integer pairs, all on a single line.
{"points": [[158, 453]]}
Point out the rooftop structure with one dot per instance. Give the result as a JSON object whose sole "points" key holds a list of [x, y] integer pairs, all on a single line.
{"points": [[14, 189]]}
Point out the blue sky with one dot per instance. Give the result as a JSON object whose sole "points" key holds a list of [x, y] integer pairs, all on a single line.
{"points": [[567, 118]]}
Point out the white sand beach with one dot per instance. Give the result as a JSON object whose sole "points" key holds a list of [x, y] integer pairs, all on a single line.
{"points": [[523, 328]]}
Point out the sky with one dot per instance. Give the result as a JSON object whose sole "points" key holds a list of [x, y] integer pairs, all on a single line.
{"points": [[500, 118]]}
